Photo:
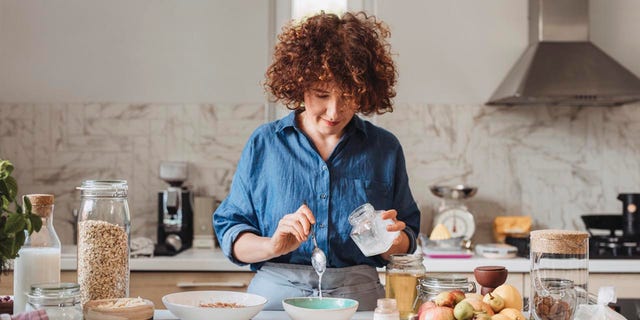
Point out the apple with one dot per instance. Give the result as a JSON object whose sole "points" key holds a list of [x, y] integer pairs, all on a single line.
{"points": [[513, 314], [481, 316], [473, 295], [498, 316], [425, 306], [479, 306], [438, 313], [445, 299], [463, 310], [459, 294], [495, 301]]}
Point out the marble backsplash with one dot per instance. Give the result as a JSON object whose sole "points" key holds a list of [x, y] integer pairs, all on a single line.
{"points": [[553, 163]]}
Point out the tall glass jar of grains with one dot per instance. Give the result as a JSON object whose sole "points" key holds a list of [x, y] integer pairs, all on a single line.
{"points": [[402, 275], [103, 240]]}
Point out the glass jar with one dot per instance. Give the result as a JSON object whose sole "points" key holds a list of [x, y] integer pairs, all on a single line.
{"points": [[401, 282], [103, 240], [554, 299], [61, 301], [39, 257], [560, 255], [431, 286], [386, 309], [369, 230]]}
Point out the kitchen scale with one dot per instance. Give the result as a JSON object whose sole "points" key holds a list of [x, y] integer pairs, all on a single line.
{"points": [[452, 212]]}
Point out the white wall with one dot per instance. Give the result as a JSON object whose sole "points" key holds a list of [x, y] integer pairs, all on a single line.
{"points": [[136, 51]]}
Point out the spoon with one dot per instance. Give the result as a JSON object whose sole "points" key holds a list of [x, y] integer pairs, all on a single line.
{"points": [[318, 261]]}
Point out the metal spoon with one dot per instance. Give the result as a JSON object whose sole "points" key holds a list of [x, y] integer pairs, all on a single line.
{"points": [[318, 261]]}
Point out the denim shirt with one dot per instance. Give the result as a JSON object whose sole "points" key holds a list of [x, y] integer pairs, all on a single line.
{"points": [[280, 169]]}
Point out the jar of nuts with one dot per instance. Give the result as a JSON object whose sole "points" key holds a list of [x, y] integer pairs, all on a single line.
{"points": [[103, 240], [554, 299]]}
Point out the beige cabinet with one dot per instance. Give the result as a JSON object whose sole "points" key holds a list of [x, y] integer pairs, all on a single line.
{"points": [[154, 285]]}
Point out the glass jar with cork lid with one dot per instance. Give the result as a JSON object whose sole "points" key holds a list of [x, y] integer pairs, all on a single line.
{"points": [[559, 273]]}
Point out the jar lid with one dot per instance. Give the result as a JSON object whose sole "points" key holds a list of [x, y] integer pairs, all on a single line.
{"points": [[54, 290], [446, 279], [105, 188], [559, 241]]}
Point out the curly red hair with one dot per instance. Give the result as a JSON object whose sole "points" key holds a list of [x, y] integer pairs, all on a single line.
{"points": [[351, 51]]}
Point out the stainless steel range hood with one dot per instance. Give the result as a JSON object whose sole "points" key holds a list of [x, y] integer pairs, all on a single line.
{"points": [[561, 66]]}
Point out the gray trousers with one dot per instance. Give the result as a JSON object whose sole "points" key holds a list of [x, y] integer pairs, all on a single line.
{"points": [[277, 281]]}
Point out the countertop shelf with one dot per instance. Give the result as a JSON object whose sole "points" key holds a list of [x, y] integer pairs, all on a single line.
{"points": [[214, 260]]}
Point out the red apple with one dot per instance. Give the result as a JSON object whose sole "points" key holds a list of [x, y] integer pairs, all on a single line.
{"points": [[425, 306], [459, 294], [445, 299], [438, 313]]}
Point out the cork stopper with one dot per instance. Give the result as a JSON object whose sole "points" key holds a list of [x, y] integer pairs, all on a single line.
{"points": [[41, 204], [559, 241]]}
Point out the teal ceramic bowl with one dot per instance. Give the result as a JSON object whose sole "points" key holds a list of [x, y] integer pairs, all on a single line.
{"points": [[315, 308]]}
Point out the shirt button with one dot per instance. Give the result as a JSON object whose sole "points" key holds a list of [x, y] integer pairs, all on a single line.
{"points": [[321, 225], [323, 196], [324, 168]]}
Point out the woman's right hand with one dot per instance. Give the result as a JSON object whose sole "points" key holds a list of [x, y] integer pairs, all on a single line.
{"points": [[293, 229]]}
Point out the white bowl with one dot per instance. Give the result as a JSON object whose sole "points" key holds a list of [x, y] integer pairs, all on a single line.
{"points": [[186, 305], [315, 308]]}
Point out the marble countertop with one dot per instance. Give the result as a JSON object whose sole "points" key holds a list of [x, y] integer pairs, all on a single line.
{"points": [[214, 260]]}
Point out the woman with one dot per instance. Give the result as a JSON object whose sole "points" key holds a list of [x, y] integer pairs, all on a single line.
{"points": [[307, 171]]}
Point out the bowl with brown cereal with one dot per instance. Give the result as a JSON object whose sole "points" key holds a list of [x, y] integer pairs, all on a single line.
{"points": [[195, 305]]}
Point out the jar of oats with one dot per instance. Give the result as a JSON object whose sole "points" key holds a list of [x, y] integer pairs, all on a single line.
{"points": [[103, 240]]}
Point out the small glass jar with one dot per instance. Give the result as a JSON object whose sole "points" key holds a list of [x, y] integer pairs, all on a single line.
{"points": [[386, 310], [554, 299], [103, 240], [401, 282], [61, 301], [369, 230], [431, 286]]}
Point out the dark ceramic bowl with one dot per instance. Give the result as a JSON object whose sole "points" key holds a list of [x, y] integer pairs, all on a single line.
{"points": [[490, 276]]}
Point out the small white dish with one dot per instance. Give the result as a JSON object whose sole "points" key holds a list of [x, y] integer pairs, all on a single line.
{"points": [[187, 305]]}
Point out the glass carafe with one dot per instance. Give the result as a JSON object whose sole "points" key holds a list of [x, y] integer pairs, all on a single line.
{"points": [[103, 240], [39, 257], [559, 273]]}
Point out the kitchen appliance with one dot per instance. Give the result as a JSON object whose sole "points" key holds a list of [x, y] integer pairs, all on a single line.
{"points": [[175, 211], [606, 240], [452, 212], [562, 66], [630, 220]]}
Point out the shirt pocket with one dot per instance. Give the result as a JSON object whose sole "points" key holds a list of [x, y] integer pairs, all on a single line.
{"points": [[377, 193]]}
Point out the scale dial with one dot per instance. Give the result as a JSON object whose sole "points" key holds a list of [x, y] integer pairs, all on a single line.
{"points": [[458, 221]]}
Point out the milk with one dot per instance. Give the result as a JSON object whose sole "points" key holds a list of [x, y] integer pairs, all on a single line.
{"points": [[34, 265]]}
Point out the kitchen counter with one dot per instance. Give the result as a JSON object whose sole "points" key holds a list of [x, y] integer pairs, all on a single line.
{"points": [[214, 260], [263, 315]]}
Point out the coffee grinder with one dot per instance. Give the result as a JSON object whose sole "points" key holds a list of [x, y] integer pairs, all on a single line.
{"points": [[175, 211]]}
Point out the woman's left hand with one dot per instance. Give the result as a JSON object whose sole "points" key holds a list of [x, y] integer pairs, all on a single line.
{"points": [[396, 226]]}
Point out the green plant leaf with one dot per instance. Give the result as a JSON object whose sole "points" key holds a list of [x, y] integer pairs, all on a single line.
{"points": [[27, 204], [19, 241], [6, 246], [12, 185], [6, 167], [5, 203], [36, 222], [15, 222], [4, 190]]}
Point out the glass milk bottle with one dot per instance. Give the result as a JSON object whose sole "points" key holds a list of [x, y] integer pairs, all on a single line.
{"points": [[559, 273], [39, 257], [401, 282], [103, 240]]}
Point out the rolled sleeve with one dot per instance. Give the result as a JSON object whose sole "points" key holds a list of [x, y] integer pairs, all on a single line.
{"points": [[230, 237]]}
